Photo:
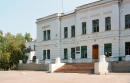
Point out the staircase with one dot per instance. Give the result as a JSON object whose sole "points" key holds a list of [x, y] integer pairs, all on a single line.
{"points": [[77, 68]]}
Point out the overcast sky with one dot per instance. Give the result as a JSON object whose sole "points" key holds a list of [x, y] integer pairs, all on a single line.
{"points": [[19, 16]]}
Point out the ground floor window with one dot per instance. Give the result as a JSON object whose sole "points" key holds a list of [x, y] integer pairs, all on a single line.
{"points": [[34, 58], [73, 53], [46, 54], [127, 48], [108, 49], [65, 53], [83, 51]]}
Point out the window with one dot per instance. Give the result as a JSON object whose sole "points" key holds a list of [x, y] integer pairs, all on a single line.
{"points": [[108, 48], [127, 48], [108, 23], [44, 54], [127, 21], [83, 51], [65, 32], [78, 50], [34, 47], [73, 31], [95, 25], [48, 54], [73, 53], [34, 58], [48, 35], [65, 53], [83, 28], [44, 35]]}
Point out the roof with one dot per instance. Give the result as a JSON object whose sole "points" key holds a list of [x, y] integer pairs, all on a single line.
{"points": [[96, 3]]}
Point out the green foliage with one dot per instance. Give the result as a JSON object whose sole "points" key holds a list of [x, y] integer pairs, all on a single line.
{"points": [[12, 49], [28, 37]]}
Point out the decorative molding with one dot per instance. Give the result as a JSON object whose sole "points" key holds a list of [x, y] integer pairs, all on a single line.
{"points": [[46, 26], [107, 12]]}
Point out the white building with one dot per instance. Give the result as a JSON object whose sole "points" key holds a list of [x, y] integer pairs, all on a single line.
{"points": [[85, 34], [31, 50], [31, 45]]}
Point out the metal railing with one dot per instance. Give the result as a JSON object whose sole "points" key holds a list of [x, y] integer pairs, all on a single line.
{"points": [[81, 60], [116, 58]]}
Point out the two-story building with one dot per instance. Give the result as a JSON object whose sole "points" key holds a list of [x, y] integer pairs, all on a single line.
{"points": [[86, 33]]}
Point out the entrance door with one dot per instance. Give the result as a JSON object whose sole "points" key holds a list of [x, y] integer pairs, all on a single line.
{"points": [[95, 51]]}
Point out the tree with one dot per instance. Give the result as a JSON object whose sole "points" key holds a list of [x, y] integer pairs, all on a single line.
{"points": [[28, 37], [12, 49], [1, 32], [4, 54]]}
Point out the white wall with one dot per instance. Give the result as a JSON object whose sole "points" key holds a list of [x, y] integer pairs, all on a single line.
{"points": [[86, 15], [125, 33], [53, 44]]}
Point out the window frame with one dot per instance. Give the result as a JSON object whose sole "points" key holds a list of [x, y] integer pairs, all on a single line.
{"points": [[108, 49], [83, 51], [44, 54], [127, 48], [73, 53], [65, 53], [48, 54], [73, 31], [127, 21], [65, 32], [95, 25], [48, 35], [107, 23], [84, 28], [44, 35]]}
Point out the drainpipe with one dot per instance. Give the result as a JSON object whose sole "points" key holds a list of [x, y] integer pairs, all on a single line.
{"points": [[119, 5], [60, 33]]}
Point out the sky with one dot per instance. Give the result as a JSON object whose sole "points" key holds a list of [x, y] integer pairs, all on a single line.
{"points": [[19, 16]]}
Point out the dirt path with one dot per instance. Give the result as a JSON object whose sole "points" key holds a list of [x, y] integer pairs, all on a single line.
{"points": [[42, 77]]}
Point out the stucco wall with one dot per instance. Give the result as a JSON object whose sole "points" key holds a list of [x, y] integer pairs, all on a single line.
{"points": [[57, 24]]}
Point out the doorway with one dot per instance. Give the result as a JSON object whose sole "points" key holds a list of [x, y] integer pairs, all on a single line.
{"points": [[95, 51]]}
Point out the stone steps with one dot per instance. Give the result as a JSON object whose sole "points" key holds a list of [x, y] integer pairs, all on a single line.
{"points": [[77, 68]]}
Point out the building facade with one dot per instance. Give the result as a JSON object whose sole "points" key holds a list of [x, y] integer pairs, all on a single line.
{"points": [[30, 46], [86, 33]]}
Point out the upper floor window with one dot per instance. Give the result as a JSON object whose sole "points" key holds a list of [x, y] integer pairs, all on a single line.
{"points": [[46, 35], [65, 32], [83, 28], [127, 48], [107, 23], [73, 31], [127, 21], [95, 24]]}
